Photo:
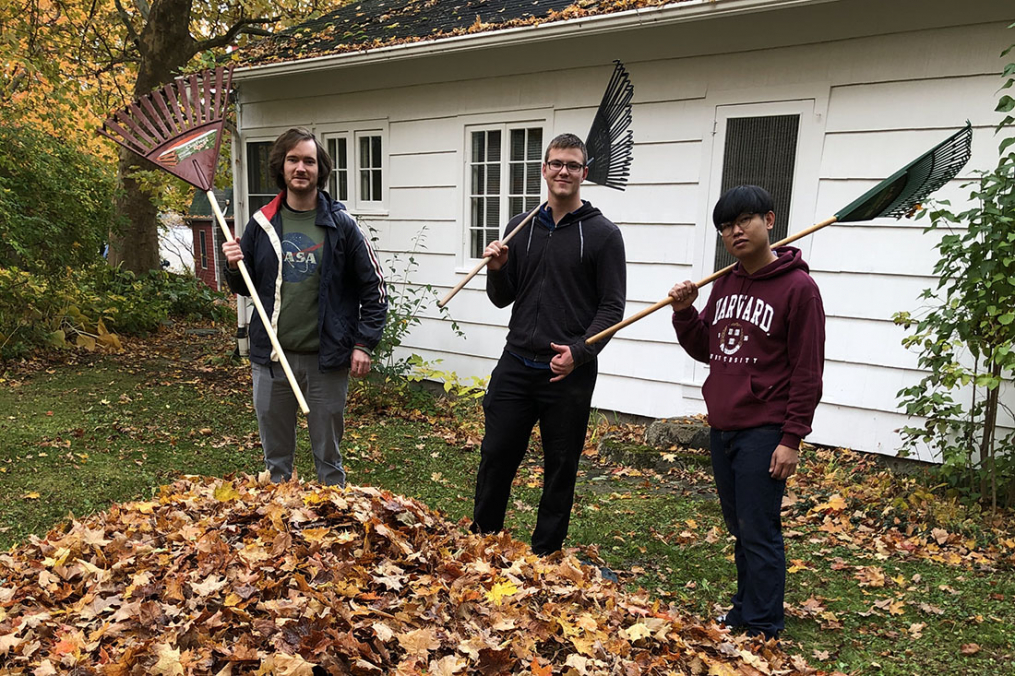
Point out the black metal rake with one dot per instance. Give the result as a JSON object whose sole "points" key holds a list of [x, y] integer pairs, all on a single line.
{"points": [[608, 146], [610, 141]]}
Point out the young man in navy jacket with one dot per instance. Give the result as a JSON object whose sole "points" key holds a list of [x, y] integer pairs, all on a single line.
{"points": [[321, 285], [762, 333], [566, 276]]}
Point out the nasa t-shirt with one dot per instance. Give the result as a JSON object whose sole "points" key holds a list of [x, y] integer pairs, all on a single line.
{"points": [[302, 243]]}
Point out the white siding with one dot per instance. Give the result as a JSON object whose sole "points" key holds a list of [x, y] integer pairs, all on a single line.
{"points": [[872, 103]]}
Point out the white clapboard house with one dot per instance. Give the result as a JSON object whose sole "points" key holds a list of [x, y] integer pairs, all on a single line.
{"points": [[438, 114]]}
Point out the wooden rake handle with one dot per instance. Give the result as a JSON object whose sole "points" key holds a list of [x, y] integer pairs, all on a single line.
{"points": [[260, 309], [606, 333], [482, 263]]}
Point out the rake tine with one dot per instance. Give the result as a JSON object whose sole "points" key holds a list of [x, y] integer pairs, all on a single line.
{"points": [[218, 93], [137, 146], [119, 140], [154, 116], [142, 116], [206, 102], [178, 118], [149, 141], [185, 99], [167, 115]]}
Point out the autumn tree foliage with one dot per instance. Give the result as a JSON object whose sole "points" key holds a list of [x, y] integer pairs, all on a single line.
{"points": [[64, 64]]}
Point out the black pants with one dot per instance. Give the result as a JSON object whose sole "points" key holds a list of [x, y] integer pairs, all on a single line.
{"points": [[518, 397], [751, 502]]}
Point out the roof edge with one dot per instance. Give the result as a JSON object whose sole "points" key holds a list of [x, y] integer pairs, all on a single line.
{"points": [[679, 12]]}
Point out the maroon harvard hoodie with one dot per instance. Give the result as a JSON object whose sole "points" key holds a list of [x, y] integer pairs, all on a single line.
{"points": [[763, 337]]}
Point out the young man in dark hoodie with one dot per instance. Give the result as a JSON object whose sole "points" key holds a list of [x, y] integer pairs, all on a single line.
{"points": [[566, 276], [762, 333]]}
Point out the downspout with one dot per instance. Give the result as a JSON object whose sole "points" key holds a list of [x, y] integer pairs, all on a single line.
{"points": [[239, 223]]}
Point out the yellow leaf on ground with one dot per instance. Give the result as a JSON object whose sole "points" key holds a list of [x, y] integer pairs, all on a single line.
{"points": [[499, 591], [226, 492]]}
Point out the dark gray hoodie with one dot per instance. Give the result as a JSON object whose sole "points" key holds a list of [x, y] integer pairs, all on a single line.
{"points": [[567, 284]]}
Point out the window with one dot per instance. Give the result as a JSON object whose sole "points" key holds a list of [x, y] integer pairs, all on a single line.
{"points": [[503, 181], [369, 167], [760, 151], [261, 187], [338, 184], [204, 250], [358, 177]]}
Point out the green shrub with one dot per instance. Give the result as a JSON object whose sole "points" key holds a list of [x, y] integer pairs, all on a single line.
{"points": [[56, 201], [94, 304]]}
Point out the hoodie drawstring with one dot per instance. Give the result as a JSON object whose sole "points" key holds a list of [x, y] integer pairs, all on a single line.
{"points": [[581, 235]]}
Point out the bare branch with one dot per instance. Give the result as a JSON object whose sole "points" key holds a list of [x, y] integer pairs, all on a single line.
{"points": [[243, 26], [125, 18]]}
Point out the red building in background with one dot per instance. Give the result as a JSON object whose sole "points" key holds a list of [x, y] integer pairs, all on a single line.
{"points": [[208, 235]]}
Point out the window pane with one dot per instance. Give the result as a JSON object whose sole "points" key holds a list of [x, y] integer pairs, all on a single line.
{"points": [[364, 151], [364, 185], [492, 216], [493, 147], [517, 186], [493, 179], [515, 207], [258, 180], [375, 151], [531, 203], [343, 185], [342, 156], [478, 146], [377, 184], [535, 150], [517, 144], [478, 179], [533, 176]]}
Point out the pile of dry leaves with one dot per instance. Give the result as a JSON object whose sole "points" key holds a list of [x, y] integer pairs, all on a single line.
{"points": [[246, 577]]}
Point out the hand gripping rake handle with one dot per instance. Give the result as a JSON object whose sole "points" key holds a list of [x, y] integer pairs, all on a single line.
{"points": [[482, 263], [265, 320], [606, 333]]}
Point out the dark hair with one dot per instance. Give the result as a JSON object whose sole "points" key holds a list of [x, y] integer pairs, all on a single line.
{"points": [[286, 142], [743, 199], [565, 141]]}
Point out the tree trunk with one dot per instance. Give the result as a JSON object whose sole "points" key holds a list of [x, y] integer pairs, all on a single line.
{"points": [[134, 245], [166, 45]]}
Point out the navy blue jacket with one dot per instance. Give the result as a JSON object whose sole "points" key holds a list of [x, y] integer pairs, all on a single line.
{"points": [[353, 301]]}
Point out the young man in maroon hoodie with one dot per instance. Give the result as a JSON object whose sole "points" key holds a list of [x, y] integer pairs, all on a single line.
{"points": [[762, 333]]}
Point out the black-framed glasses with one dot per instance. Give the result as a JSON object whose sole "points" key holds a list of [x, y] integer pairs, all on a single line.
{"points": [[572, 167], [742, 221]]}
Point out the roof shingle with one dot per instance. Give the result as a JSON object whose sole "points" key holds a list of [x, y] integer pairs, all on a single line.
{"points": [[372, 24]]}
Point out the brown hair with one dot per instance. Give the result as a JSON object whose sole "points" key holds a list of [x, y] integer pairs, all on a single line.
{"points": [[286, 142], [565, 141]]}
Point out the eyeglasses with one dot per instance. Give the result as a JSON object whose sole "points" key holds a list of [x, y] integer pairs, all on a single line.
{"points": [[572, 167], [742, 222]]}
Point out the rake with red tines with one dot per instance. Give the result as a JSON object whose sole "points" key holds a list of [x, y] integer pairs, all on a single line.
{"points": [[179, 129], [608, 146]]}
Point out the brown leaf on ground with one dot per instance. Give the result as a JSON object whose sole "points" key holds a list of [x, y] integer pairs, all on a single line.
{"points": [[219, 576]]}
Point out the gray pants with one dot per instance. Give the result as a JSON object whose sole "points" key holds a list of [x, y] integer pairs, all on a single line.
{"points": [[276, 410]]}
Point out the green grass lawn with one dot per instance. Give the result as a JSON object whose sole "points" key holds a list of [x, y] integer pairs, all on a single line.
{"points": [[77, 437]]}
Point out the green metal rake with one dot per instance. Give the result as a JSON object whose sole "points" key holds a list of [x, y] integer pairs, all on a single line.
{"points": [[896, 196]]}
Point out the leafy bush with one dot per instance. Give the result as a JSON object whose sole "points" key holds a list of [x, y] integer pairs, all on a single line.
{"points": [[966, 340], [406, 301], [91, 305], [56, 202]]}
